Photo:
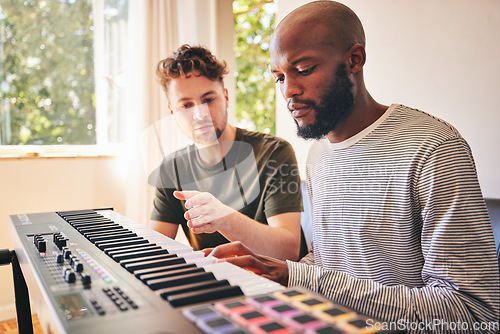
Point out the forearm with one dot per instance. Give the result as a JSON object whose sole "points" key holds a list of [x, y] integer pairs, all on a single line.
{"points": [[439, 303], [277, 242], [167, 229]]}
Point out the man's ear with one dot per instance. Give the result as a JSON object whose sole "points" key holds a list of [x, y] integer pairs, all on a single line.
{"points": [[357, 58], [226, 94]]}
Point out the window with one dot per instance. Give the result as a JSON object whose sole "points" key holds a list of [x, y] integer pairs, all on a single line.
{"points": [[255, 88], [61, 71]]}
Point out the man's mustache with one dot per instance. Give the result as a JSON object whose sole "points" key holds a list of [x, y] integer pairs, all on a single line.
{"points": [[303, 103]]}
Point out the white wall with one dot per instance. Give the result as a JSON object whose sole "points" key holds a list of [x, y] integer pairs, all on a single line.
{"points": [[438, 56]]}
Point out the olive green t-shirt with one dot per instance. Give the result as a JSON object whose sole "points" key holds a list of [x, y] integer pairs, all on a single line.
{"points": [[259, 177]]}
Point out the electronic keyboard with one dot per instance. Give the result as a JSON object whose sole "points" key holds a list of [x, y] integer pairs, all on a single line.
{"points": [[96, 271]]}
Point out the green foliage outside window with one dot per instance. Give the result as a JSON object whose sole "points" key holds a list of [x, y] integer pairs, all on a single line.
{"points": [[46, 72], [255, 88]]}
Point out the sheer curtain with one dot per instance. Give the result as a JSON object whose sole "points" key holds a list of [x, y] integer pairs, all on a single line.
{"points": [[152, 37]]}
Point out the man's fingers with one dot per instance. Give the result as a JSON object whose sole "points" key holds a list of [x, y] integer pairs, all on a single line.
{"points": [[185, 195], [207, 251], [204, 228], [193, 198], [248, 262], [232, 249], [195, 212]]}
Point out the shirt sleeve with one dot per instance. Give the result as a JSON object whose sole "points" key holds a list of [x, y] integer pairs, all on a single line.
{"points": [[460, 272], [166, 207], [282, 185]]}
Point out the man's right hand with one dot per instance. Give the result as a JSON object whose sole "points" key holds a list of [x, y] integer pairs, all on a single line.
{"points": [[265, 266]]}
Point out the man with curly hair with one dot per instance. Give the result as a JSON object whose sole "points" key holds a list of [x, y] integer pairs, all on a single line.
{"points": [[231, 184]]}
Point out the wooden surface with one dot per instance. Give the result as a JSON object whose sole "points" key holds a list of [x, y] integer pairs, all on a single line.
{"points": [[10, 326]]}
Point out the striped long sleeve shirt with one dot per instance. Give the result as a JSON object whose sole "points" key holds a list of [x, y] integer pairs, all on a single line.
{"points": [[400, 228]]}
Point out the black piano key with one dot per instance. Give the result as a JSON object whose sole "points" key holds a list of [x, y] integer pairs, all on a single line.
{"points": [[168, 282], [165, 293], [92, 223], [91, 234], [159, 269], [148, 258], [104, 233], [153, 263], [107, 227], [127, 248], [89, 221], [205, 295], [75, 212], [134, 249], [111, 236], [123, 242], [138, 254], [111, 239], [108, 234], [170, 273]]}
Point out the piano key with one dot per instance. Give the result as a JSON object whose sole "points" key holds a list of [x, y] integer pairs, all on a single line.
{"points": [[190, 254], [91, 233], [150, 264], [138, 254], [76, 212], [93, 228], [160, 269], [79, 227], [170, 273], [205, 295], [168, 282], [106, 227], [148, 258], [88, 221], [104, 233], [200, 261], [250, 283], [134, 249], [124, 242], [129, 248], [165, 293], [111, 236]]}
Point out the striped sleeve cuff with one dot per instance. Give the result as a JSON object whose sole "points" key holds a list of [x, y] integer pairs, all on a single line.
{"points": [[303, 275]]}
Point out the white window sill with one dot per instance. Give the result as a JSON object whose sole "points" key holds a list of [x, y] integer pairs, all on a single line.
{"points": [[63, 151]]}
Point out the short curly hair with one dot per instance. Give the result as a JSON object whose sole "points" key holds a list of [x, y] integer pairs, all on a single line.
{"points": [[188, 59]]}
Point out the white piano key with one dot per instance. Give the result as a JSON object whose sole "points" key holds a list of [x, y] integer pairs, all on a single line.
{"points": [[201, 262], [192, 255], [249, 282]]}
